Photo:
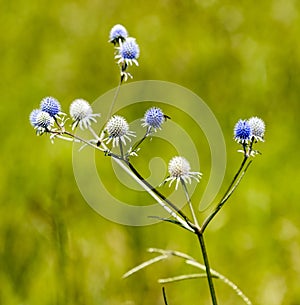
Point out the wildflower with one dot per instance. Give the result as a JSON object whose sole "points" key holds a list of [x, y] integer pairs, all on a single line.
{"points": [[242, 131], [82, 114], [40, 120], [117, 33], [32, 117], [118, 129], [50, 105], [180, 170], [153, 118], [129, 52], [257, 126]]}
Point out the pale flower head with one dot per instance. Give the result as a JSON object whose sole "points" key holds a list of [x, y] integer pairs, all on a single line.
{"points": [[118, 130], [180, 170], [82, 114]]}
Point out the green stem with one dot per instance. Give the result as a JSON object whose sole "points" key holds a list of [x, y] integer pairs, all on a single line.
{"points": [[207, 268], [114, 101], [161, 196], [188, 198], [225, 196], [136, 145]]}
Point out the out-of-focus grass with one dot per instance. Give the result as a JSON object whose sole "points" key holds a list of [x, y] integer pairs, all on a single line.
{"points": [[241, 57]]}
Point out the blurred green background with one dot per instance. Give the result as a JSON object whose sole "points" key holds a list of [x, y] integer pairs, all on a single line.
{"points": [[241, 57]]}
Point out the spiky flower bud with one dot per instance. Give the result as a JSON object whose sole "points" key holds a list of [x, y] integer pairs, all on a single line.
{"points": [[50, 105], [117, 33], [258, 127], [82, 113], [153, 118], [242, 131]]}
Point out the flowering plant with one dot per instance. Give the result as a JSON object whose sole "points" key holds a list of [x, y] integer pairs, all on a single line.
{"points": [[115, 140]]}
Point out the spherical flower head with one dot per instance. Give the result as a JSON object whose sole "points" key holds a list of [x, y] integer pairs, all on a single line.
{"points": [[129, 51], [242, 131], [118, 129], [118, 32], [82, 114], [153, 118], [33, 115], [180, 170], [41, 120], [258, 128], [51, 105]]}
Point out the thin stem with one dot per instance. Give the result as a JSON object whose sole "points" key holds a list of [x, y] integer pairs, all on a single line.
{"points": [[136, 145], [188, 198], [186, 223], [97, 137], [161, 196], [165, 296], [235, 176], [237, 183], [157, 196], [114, 100], [207, 268], [221, 202], [121, 149], [184, 277]]}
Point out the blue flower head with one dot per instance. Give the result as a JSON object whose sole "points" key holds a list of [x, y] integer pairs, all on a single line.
{"points": [[128, 52], [117, 33], [242, 131], [50, 105], [40, 120], [33, 116], [153, 118]]}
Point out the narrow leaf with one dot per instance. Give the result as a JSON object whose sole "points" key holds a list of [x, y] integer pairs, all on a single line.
{"points": [[144, 265]]}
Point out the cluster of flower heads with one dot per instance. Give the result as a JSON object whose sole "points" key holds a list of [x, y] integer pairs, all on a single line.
{"points": [[248, 130], [118, 131], [127, 49], [49, 113], [117, 128], [43, 119]]}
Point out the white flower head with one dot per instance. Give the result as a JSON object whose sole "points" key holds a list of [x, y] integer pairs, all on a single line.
{"points": [[82, 114], [258, 128], [118, 130], [180, 170], [41, 120]]}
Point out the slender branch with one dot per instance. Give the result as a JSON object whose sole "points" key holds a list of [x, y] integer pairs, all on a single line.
{"points": [[235, 182], [184, 277], [191, 261], [58, 133], [207, 269], [186, 223], [188, 198], [236, 176], [121, 149], [136, 145], [114, 100], [220, 276], [161, 196], [165, 296]]}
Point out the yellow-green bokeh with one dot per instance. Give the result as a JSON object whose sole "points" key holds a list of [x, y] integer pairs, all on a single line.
{"points": [[241, 57]]}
